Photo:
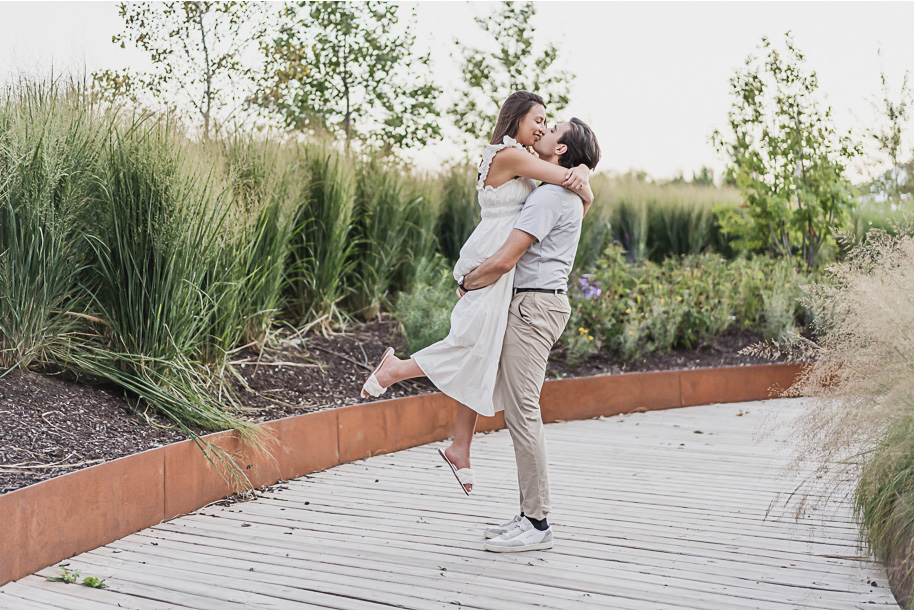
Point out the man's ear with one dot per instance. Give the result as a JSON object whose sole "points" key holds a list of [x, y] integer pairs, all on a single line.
{"points": [[561, 149]]}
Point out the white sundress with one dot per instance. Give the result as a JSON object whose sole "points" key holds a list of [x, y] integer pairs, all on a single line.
{"points": [[464, 365]]}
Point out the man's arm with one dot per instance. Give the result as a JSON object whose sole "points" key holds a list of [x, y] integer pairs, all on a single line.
{"points": [[500, 262]]}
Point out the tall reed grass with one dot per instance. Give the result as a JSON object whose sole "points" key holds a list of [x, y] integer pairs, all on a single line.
{"points": [[132, 254], [49, 146], [653, 221]]}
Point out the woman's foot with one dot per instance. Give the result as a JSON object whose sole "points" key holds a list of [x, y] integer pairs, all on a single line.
{"points": [[460, 458], [371, 387], [387, 373]]}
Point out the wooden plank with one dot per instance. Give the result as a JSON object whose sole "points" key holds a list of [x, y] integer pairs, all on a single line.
{"points": [[12, 602], [430, 583], [233, 594], [640, 522], [381, 521], [609, 513], [50, 595], [101, 596], [449, 554], [409, 565]]}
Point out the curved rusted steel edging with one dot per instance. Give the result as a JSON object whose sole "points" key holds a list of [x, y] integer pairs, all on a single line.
{"points": [[62, 517]]}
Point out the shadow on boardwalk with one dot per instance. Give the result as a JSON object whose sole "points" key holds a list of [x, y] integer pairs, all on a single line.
{"points": [[651, 510]]}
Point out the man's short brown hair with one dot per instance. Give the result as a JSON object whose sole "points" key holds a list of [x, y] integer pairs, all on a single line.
{"points": [[582, 144]]}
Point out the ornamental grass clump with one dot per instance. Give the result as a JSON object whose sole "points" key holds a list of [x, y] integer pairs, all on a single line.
{"points": [[860, 419], [49, 146], [653, 221], [319, 268], [393, 230]]}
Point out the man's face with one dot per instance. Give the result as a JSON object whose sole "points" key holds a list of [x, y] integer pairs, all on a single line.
{"points": [[548, 147]]}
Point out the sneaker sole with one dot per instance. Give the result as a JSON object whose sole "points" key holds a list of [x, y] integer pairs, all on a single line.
{"points": [[497, 548]]}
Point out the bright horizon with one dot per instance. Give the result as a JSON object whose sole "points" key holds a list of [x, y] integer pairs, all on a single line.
{"points": [[652, 78]]}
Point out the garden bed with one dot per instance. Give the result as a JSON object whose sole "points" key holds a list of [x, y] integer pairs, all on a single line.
{"points": [[50, 426]]}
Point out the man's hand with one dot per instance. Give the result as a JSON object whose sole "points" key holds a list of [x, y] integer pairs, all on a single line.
{"points": [[460, 293]]}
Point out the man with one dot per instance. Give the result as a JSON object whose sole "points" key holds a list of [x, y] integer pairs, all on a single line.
{"points": [[541, 248]]}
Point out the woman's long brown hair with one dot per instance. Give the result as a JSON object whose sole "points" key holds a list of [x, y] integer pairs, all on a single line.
{"points": [[512, 111]]}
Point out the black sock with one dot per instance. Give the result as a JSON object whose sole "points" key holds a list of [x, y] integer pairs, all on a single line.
{"points": [[540, 524]]}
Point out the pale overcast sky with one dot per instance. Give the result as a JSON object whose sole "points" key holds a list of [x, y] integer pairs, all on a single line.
{"points": [[652, 77]]}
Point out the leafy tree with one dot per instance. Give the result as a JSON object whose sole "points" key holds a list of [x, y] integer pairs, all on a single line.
{"points": [[894, 114], [196, 52], [787, 158], [492, 75], [350, 69]]}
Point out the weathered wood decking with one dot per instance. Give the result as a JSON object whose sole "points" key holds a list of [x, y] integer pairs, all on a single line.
{"points": [[648, 513]]}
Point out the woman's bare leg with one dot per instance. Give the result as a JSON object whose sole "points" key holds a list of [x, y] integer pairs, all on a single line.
{"points": [[394, 370], [464, 428]]}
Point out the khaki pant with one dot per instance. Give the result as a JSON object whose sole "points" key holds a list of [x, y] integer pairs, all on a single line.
{"points": [[535, 322]]}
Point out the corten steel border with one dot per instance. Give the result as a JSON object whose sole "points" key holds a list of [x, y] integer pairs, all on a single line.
{"points": [[56, 519]]}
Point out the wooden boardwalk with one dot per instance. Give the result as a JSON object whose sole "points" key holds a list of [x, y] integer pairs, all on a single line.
{"points": [[648, 513]]}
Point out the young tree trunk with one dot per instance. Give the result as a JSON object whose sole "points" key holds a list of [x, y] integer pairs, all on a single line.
{"points": [[208, 74]]}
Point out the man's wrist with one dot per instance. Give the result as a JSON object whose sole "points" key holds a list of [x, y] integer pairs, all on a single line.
{"points": [[462, 283]]}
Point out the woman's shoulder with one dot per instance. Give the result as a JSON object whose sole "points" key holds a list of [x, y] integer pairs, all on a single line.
{"points": [[506, 142], [508, 149]]}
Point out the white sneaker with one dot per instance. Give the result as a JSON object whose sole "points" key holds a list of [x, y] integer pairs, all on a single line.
{"points": [[521, 537], [494, 532]]}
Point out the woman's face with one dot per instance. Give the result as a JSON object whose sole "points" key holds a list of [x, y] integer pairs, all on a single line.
{"points": [[532, 126]]}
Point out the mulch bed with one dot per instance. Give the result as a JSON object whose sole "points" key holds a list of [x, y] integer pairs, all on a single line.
{"points": [[50, 425]]}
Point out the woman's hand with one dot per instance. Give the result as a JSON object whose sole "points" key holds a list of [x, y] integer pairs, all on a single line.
{"points": [[577, 178]]}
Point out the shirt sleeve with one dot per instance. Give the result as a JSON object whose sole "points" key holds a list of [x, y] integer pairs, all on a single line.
{"points": [[540, 214]]}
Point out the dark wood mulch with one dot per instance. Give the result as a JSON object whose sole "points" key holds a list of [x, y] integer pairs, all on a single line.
{"points": [[50, 426]]}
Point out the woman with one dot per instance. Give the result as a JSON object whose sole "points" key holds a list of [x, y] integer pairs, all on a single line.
{"points": [[464, 365]]}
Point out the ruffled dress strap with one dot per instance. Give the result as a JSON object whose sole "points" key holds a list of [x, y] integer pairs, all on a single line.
{"points": [[489, 154]]}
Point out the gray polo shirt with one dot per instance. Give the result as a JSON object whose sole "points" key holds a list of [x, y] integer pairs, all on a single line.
{"points": [[552, 215]]}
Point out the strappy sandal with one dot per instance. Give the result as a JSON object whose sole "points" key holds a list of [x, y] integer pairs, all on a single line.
{"points": [[464, 476], [372, 388]]}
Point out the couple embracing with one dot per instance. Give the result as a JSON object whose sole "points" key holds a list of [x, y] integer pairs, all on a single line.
{"points": [[512, 276]]}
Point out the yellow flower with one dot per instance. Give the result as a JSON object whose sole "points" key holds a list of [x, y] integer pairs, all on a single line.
{"points": [[786, 284], [591, 337], [628, 311], [661, 286], [661, 300], [679, 298], [631, 333], [580, 330]]}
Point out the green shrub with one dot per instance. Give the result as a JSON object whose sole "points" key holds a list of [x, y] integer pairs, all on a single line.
{"points": [[646, 307], [424, 312]]}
